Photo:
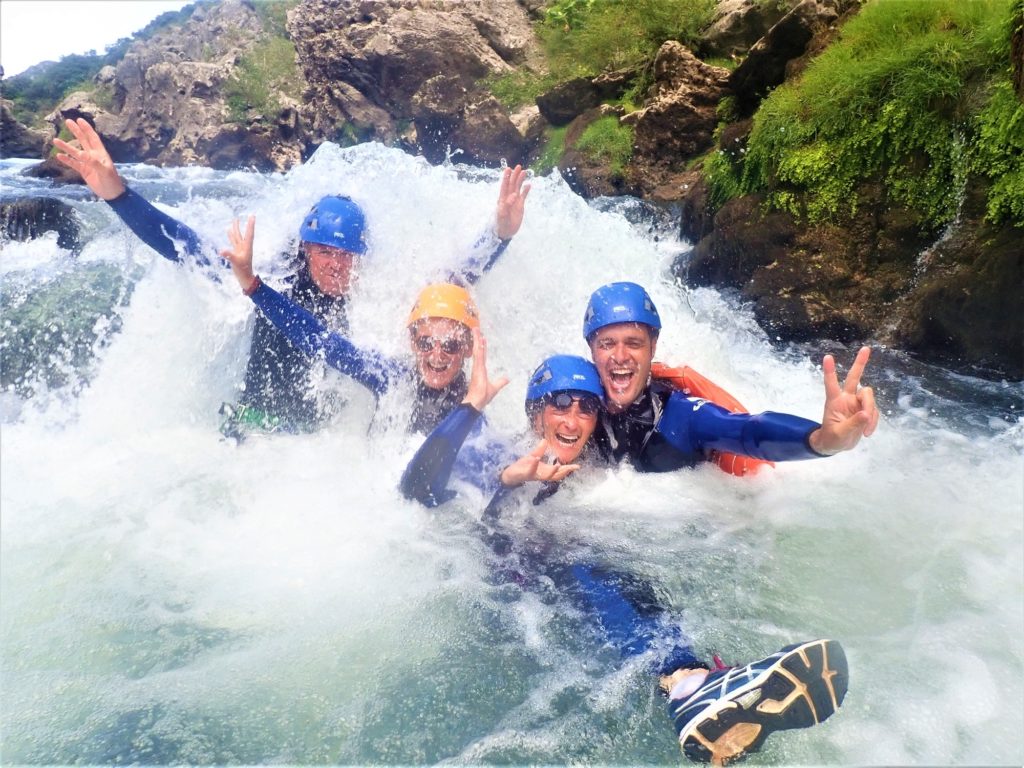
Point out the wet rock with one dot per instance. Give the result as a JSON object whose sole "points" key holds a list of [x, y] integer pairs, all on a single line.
{"points": [[30, 217], [879, 276], [378, 65], [764, 67], [53, 169], [678, 121], [738, 24], [567, 101], [591, 177], [964, 309]]}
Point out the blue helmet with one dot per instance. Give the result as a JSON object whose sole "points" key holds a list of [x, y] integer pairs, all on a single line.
{"points": [[335, 221], [619, 303], [564, 373]]}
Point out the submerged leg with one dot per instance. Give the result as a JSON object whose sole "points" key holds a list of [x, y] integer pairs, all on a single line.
{"points": [[628, 611]]}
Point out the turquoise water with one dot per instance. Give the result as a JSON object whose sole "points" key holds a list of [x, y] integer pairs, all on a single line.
{"points": [[168, 597]]}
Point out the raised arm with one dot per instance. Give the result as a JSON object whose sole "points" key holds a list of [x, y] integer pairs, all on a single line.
{"points": [[371, 369], [156, 229], [508, 218], [850, 413]]}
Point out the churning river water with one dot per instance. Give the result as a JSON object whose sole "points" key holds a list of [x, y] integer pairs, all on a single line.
{"points": [[169, 597]]}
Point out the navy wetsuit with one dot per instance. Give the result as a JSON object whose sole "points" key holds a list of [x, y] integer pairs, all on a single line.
{"points": [[279, 379], [624, 606], [665, 430]]}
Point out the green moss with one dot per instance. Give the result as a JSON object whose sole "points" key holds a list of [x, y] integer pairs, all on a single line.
{"points": [[725, 62], [999, 154], [552, 150], [346, 135], [722, 177], [518, 87], [895, 100], [606, 140], [727, 110]]}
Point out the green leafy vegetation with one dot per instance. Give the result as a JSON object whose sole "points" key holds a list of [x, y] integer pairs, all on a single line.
{"points": [[608, 141], [914, 95], [999, 154], [518, 87], [584, 37], [268, 68]]}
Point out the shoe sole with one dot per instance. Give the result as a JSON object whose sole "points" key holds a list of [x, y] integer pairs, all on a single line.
{"points": [[802, 688]]}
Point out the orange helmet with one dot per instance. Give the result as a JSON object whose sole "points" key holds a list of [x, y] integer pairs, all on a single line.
{"points": [[445, 300]]}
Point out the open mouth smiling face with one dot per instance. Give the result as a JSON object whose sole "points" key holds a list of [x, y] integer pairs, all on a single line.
{"points": [[623, 353], [567, 429], [441, 346]]}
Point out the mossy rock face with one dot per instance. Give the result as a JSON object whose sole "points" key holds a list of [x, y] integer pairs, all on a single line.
{"points": [[953, 299], [966, 309], [595, 168], [49, 333]]}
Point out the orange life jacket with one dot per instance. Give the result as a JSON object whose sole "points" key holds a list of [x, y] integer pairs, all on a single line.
{"points": [[690, 383]]}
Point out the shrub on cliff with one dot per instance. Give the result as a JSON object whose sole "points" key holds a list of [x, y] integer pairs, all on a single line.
{"points": [[914, 95], [584, 37], [268, 69]]}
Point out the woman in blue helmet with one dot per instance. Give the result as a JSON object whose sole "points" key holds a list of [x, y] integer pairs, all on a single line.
{"points": [[659, 429], [279, 390], [719, 715]]}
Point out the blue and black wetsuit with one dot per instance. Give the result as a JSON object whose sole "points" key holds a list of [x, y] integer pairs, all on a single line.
{"points": [[279, 380], [665, 430], [625, 607]]}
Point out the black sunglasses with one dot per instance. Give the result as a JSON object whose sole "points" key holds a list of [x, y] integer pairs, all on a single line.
{"points": [[562, 402], [449, 346]]}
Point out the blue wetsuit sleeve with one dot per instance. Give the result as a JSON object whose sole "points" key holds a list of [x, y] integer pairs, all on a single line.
{"points": [[163, 233], [699, 425], [482, 256], [426, 477], [307, 334]]}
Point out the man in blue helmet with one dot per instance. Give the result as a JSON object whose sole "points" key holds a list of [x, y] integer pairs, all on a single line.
{"points": [[719, 715], [279, 390], [659, 429]]}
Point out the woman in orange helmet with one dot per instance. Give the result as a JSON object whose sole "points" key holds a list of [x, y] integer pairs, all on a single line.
{"points": [[441, 327]]}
